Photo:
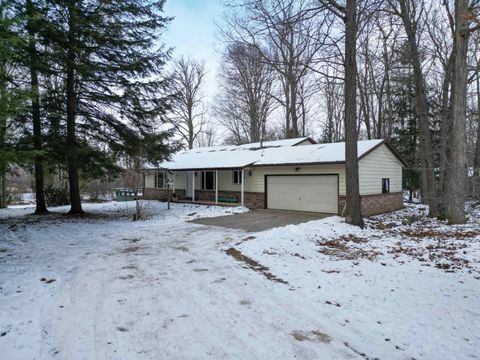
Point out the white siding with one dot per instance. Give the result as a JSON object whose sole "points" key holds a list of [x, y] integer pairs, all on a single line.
{"points": [[380, 163], [150, 180], [180, 179], [256, 182]]}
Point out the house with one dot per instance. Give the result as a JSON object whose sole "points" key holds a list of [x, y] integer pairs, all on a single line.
{"points": [[292, 174]]}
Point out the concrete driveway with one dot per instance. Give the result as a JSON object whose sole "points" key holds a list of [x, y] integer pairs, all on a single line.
{"points": [[261, 219]]}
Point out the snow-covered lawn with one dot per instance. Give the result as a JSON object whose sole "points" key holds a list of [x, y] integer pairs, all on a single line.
{"points": [[104, 287]]}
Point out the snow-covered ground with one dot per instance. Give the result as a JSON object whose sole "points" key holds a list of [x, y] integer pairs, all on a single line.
{"points": [[104, 287]]}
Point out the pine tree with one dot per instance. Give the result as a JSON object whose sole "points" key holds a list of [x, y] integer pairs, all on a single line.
{"points": [[13, 97], [109, 55], [32, 60]]}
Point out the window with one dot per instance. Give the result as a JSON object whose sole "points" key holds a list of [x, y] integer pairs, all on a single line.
{"points": [[237, 176], [208, 180], [160, 180], [385, 185]]}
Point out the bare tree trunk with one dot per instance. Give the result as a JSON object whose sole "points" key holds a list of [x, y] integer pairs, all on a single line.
{"points": [[458, 168], [3, 187], [72, 163], [354, 208], [476, 159], [187, 116], [429, 185], [40, 207], [3, 131], [445, 140]]}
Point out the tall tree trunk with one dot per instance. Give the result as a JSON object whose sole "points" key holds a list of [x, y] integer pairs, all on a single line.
{"points": [[354, 208], [445, 139], [457, 179], [3, 131], [429, 184], [476, 158], [3, 186], [293, 109], [72, 162], [40, 207]]}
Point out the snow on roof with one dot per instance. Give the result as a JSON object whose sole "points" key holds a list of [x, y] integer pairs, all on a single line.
{"points": [[316, 153], [279, 152]]}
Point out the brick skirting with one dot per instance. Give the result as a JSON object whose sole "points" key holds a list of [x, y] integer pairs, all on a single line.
{"points": [[161, 194], [252, 200], [375, 204], [371, 204]]}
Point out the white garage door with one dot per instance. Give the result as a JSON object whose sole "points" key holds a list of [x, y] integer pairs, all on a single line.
{"points": [[318, 193]]}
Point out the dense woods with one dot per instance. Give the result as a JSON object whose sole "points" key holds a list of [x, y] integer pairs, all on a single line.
{"points": [[87, 88], [403, 70]]}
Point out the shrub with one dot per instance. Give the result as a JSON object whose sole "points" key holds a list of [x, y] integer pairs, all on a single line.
{"points": [[56, 196]]}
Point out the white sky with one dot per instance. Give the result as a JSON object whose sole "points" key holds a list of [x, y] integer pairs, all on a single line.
{"points": [[192, 34]]}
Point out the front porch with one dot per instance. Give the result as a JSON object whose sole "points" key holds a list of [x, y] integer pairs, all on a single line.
{"points": [[226, 187], [204, 185]]}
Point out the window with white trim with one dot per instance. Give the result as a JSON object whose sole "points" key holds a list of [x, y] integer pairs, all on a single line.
{"points": [[160, 180], [208, 180], [237, 176], [385, 185]]}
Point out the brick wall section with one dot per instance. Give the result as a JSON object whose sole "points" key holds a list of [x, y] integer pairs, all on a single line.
{"points": [[375, 204], [160, 194], [371, 204], [252, 200]]}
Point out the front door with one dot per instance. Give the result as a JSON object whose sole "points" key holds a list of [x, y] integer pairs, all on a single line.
{"points": [[189, 188]]}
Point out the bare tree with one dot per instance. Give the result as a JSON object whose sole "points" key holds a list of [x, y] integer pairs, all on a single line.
{"points": [[348, 13], [288, 35], [332, 92], [245, 101], [476, 121], [207, 137], [410, 12], [188, 112], [457, 180]]}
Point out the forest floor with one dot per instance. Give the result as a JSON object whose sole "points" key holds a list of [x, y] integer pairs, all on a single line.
{"points": [[101, 286]]}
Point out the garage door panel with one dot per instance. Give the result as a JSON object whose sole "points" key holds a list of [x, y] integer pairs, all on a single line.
{"points": [[318, 193]]}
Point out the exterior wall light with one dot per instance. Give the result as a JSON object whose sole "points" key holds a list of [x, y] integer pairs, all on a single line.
{"points": [[297, 169]]}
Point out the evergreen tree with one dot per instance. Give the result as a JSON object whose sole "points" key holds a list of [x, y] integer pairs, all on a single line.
{"points": [[32, 59], [13, 97], [110, 59]]}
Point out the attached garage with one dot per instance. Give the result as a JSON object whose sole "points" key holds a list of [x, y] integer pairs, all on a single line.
{"points": [[289, 174], [316, 193]]}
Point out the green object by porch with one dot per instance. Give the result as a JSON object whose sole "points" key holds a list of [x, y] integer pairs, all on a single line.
{"points": [[227, 199], [126, 194]]}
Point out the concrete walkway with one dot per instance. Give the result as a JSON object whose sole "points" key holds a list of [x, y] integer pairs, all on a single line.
{"points": [[261, 219]]}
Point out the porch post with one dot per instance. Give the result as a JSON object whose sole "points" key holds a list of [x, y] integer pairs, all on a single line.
{"points": [[173, 181], [216, 186], [193, 186], [243, 187]]}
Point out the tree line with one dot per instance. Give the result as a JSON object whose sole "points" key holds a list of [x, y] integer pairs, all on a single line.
{"points": [[402, 70], [82, 89]]}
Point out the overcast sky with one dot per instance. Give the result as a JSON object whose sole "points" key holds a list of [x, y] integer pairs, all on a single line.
{"points": [[192, 33]]}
